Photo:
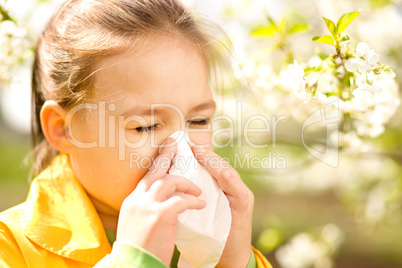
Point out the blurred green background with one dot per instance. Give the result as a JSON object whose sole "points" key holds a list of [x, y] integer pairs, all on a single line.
{"points": [[307, 214], [13, 173]]}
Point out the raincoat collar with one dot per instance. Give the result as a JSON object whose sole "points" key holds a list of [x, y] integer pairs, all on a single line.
{"points": [[60, 218]]}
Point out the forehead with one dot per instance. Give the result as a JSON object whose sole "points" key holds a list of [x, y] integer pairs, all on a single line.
{"points": [[158, 70]]}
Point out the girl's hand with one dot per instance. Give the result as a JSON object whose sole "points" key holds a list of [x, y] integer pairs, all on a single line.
{"points": [[148, 215], [237, 250]]}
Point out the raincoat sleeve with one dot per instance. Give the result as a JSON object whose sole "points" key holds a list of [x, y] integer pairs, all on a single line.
{"points": [[260, 260], [124, 255], [252, 262], [10, 254]]}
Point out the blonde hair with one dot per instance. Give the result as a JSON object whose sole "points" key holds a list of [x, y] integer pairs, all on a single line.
{"points": [[84, 30]]}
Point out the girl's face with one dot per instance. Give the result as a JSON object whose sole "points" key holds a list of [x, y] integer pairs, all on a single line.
{"points": [[138, 100]]}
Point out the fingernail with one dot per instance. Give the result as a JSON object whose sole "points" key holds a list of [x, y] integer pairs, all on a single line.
{"points": [[192, 144], [204, 203], [200, 190], [168, 141], [200, 149]]}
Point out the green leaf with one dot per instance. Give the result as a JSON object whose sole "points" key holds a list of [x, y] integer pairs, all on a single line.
{"points": [[301, 27], [322, 55], [311, 69], [345, 20], [272, 22], [345, 38], [265, 31], [326, 39], [308, 70], [331, 27], [380, 3], [4, 14], [282, 25]]}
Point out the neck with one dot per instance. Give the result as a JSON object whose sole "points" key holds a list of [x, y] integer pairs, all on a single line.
{"points": [[108, 215], [109, 222]]}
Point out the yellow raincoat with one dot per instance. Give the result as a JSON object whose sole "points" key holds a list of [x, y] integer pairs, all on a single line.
{"points": [[57, 226]]}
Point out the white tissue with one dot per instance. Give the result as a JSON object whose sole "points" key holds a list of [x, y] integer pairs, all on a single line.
{"points": [[200, 234]]}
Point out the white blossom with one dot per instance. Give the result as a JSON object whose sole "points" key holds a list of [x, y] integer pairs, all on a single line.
{"points": [[327, 83], [332, 234], [304, 251], [376, 204], [13, 45], [314, 61], [9, 28], [351, 65], [296, 75], [345, 106], [373, 96], [366, 58]]}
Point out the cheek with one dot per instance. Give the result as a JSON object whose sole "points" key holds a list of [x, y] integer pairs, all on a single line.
{"points": [[202, 138], [104, 176], [83, 128], [141, 159]]}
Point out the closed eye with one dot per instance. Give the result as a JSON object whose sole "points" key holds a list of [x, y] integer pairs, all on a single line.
{"points": [[147, 129], [156, 126], [199, 122]]}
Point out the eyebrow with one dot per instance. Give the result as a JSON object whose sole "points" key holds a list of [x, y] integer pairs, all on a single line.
{"points": [[204, 106], [158, 110]]}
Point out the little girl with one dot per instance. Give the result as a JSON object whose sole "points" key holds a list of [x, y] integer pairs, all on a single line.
{"points": [[112, 79]]}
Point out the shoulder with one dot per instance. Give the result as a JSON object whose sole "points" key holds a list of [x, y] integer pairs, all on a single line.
{"points": [[11, 237], [10, 224], [12, 216]]}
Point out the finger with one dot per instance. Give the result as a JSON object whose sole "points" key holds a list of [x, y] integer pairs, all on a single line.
{"points": [[161, 164], [226, 176], [181, 202], [169, 184]]}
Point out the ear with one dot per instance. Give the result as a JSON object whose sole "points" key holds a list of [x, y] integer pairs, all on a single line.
{"points": [[52, 119]]}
